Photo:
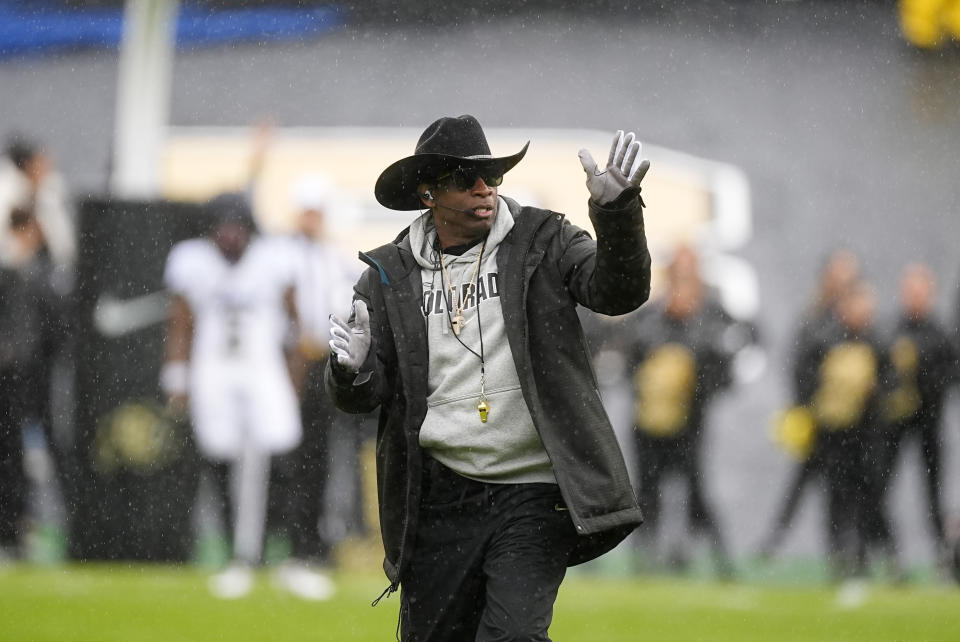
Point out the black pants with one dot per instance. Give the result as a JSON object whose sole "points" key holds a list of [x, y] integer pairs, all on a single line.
{"points": [[806, 472], [926, 430], [219, 472], [299, 478], [488, 560], [658, 457], [856, 516], [13, 479]]}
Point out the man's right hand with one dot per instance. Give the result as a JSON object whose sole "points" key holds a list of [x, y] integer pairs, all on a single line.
{"points": [[351, 344], [625, 168]]}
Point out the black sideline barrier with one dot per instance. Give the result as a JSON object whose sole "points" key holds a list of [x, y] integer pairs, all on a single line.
{"points": [[134, 468]]}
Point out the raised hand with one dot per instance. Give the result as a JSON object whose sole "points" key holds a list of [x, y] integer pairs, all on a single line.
{"points": [[625, 168]]}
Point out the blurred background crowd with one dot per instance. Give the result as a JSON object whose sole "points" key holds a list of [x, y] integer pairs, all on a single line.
{"points": [[160, 349]]}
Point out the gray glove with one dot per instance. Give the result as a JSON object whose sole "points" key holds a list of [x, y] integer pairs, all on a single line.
{"points": [[351, 344], [625, 168]]}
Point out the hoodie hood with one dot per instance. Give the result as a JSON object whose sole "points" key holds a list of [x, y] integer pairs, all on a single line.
{"points": [[423, 234]]}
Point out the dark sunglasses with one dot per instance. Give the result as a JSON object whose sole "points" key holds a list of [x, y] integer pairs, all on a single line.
{"points": [[464, 179]]}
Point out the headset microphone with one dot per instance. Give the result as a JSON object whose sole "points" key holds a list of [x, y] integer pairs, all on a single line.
{"points": [[430, 197], [447, 207]]}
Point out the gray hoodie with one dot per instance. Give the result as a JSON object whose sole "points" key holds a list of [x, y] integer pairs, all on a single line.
{"points": [[507, 448]]}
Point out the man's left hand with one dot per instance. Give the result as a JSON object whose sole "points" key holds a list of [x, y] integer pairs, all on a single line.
{"points": [[349, 343], [625, 168]]}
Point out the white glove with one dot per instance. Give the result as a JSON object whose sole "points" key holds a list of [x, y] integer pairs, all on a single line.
{"points": [[625, 168], [351, 344]]}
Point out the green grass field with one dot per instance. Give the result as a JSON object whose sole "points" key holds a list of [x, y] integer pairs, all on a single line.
{"points": [[125, 603]]}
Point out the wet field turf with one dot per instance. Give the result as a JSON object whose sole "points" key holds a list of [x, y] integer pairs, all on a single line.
{"points": [[162, 603]]}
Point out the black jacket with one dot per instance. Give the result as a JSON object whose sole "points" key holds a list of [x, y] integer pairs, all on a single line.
{"points": [[701, 334], [926, 365], [847, 375], [22, 323], [547, 266]]}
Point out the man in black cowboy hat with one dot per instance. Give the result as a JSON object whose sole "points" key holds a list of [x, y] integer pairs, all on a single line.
{"points": [[497, 465]]}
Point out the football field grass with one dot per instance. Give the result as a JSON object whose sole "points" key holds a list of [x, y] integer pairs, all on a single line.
{"points": [[126, 603]]}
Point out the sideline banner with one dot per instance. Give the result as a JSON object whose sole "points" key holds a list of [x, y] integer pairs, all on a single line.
{"points": [[135, 467]]}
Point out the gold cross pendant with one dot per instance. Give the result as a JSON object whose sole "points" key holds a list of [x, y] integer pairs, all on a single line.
{"points": [[457, 323]]}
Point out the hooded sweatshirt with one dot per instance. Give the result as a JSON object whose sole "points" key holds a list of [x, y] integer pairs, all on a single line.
{"points": [[506, 448]]}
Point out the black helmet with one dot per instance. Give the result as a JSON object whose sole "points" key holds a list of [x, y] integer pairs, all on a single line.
{"points": [[232, 207]]}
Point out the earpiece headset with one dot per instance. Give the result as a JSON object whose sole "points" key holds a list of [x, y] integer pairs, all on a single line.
{"points": [[427, 194]]}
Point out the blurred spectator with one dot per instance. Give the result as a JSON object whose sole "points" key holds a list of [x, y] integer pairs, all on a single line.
{"points": [[37, 228], [848, 371], [926, 364], [797, 429], [678, 365], [20, 339], [302, 508], [37, 242], [38, 239], [231, 317], [324, 285]]}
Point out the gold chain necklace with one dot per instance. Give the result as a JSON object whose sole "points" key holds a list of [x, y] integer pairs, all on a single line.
{"points": [[457, 322]]}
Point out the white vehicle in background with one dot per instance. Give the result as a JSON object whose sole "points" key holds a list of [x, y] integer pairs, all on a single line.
{"points": [[691, 201]]}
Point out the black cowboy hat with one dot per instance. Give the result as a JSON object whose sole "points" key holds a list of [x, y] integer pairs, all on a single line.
{"points": [[446, 144]]}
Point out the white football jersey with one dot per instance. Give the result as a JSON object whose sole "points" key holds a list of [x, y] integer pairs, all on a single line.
{"points": [[239, 382]]}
